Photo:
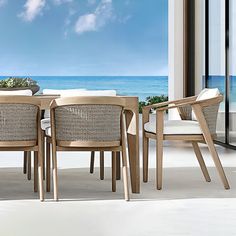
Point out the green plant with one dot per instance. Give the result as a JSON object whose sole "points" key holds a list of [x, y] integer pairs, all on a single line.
{"points": [[16, 82], [152, 100]]}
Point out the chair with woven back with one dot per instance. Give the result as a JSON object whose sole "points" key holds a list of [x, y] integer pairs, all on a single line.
{"points": [[27, 155], [45, 123], [88, 124], [20, 129], [198, 125]]}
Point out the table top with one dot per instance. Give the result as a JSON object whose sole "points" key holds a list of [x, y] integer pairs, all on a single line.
{"points": [[131, 101]]}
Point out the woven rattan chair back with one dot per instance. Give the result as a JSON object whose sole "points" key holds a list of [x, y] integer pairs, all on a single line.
{"points": [[210, 110], [18, 118], [88, 119], [99, 123]]}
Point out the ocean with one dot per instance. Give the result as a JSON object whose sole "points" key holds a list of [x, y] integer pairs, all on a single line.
{"points": [[141, 86]]}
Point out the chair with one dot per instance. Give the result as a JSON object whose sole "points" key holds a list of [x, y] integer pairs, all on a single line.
{"points": [[45, 123], [20, 129], [198, 124], [88, 124], [27, 155]]}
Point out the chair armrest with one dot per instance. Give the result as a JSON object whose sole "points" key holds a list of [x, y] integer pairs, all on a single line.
{"points": [[163, 104], [202, 103]]}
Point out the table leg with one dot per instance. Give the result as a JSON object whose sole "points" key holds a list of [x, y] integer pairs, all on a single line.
{"points": [[133, 151]]}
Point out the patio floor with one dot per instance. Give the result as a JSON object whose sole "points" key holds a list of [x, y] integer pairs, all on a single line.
{"points": [[187, 205]]}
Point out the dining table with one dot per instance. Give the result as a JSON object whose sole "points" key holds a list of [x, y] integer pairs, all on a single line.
{"points": [[131, 111]]}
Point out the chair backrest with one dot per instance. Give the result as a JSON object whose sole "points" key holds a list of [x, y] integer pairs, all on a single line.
{"points": [[75, 93], [210, 111], [59, 92], [87, 119], [19, 117]]}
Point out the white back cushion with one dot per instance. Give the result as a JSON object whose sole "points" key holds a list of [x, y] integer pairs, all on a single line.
{"points": [[60, 91], [91, 93], [26, 92], [206, 93], [77, 92]]}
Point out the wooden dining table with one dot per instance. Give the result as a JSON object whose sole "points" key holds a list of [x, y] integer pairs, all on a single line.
{"points": [[132, 124]]}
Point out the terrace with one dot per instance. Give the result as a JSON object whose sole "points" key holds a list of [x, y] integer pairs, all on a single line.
{"points": [[84, 148]]}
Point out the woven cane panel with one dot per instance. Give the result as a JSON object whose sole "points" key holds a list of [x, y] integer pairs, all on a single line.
{"points": [[88, 123], [18, 122]]}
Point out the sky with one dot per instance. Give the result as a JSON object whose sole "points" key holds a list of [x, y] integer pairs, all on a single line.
{"points": [[84, 37]]}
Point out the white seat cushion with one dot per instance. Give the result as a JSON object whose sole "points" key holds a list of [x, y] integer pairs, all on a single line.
{"points": [[48, 131], [175, 127], [206, 93], [25, 92], [45, 123]]}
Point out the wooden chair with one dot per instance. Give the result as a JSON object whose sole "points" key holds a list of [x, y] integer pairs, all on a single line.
{"points": [[20, 130], [45, 123], [88, 124], [198, 124]]}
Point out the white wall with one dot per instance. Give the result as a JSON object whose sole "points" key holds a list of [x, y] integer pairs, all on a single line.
{"points": [[175, 52]]}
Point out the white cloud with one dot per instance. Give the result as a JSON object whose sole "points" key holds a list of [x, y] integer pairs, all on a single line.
{"points": [[3, 2], [94, 21], [86, 23], [32, 8]]}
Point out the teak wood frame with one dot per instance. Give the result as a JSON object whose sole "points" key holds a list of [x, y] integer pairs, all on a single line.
{"points": [[113, 146], [205, 137], [29, 145]]}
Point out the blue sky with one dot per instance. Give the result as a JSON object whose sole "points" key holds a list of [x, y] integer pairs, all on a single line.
{"points": [[83, 37]]}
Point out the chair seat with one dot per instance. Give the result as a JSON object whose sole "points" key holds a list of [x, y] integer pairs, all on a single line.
{"points": [[45, 123], [175, 127]]}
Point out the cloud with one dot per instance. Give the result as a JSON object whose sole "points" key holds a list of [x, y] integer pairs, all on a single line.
{"points": [[32, 8], [3, 2], [96, 20]]}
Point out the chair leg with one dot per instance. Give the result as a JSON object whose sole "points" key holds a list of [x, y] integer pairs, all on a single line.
{"points": [[159, 149], [217, 161], [43, 152], [209, 141], [48, 167], [54, 169], [113, 171], [124, 162], [102, 165], [25, 163], [159, 164], [118, 166], [29, 165], [201, 161], [125, 174], [40, 175], [92, 162], [36, 172], [145, 158]]}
